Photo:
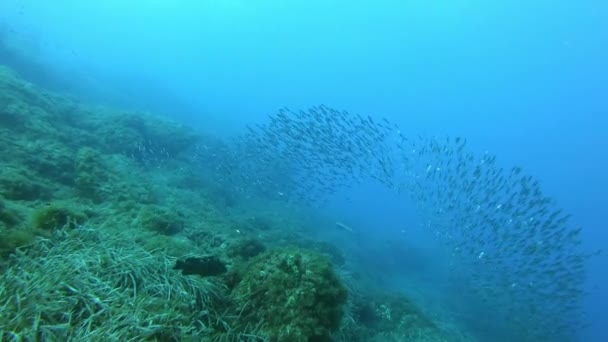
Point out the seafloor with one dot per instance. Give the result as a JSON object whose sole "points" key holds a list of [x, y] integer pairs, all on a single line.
{"points": [[98, 206]]}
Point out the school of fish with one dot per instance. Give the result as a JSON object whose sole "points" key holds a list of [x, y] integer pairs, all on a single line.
{"points": [[515, 246]]}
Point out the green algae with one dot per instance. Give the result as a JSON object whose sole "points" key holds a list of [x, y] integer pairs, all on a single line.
{"points": [[20, 184], [11, 239], [294, 292], [57, 215], [90, 173], [9, 217], [160, 220], [168, 245], [246, 248], [78, 169]]}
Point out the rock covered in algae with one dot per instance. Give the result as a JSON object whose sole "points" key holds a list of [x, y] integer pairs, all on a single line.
{"points": [[246, 248], [206, 266], [292, 294], [57, 215]]}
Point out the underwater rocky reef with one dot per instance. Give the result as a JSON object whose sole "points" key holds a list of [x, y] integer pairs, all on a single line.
{"points": [[116, 226]]}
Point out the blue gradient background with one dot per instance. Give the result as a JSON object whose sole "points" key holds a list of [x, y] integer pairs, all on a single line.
{"points": [[525, 80]]}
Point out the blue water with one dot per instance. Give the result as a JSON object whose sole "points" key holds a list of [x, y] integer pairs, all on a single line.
{"points": [[525, 80]]}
